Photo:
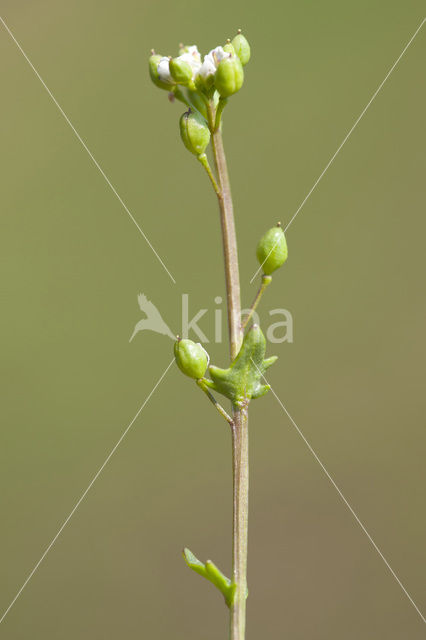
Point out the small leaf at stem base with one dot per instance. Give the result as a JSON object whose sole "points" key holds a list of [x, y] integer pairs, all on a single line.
{"points": [[212, 573]]}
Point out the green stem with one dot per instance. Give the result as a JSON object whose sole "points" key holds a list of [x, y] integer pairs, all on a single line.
{"points": [[240, 416], [266, 280], [220, 107], [177, 92], [213, 400], [203, 159]]}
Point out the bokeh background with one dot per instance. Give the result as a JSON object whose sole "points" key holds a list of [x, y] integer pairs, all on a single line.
{"points": [[73, 264]]}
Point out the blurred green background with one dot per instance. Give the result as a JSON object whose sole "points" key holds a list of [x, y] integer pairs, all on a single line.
{"points": [[73, 264]]}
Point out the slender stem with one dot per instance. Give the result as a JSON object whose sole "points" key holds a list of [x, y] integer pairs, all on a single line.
{"points": [[240, 415], [203, 159], [229, 239], [266, 280], [177, 93], [220, 107], [213, 400], [240, 466]]}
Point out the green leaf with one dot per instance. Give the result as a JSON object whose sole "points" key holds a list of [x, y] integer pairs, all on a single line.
{"points": [[193, 562], [242, 380], [212, 573]]}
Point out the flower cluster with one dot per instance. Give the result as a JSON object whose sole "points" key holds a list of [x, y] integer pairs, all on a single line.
{"points": [[220, 70], [202, 84], [181, 70]]}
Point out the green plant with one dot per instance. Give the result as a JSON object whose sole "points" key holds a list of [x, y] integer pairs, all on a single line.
{"points": [[205, 88]]}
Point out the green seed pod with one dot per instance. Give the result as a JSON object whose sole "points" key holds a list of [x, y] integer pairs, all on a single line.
{"points": [[153, 72], [229, 76], [191, 358], [272, 250], [228, 47], [180, 70], [242, 48], [194, 132]]}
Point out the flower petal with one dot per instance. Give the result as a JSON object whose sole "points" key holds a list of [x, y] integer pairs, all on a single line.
{"points": [[164, 71]]}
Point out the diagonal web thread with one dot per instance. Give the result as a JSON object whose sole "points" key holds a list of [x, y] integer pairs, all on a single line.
{"points": [[86, 491], [86, 148], [339, 491], [345, 139]]}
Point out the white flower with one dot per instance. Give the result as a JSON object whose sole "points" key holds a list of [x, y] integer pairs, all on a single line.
{"points": [[208, 67], [219, 54], [194, 53], [211, 61], [164, 71]]}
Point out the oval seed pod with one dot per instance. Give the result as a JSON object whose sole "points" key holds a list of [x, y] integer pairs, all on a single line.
{"points": [[229, 48], [272, 250], [191, 358], [153, 61], [229, 76], [194, 132], [180, 70], [242, 48]]}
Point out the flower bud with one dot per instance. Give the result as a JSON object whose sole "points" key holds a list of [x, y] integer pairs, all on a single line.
{"points": [[272, 250], [180, 70], [242, 48], [194, 132], [229, 76], [191, 358], [153, 63]]}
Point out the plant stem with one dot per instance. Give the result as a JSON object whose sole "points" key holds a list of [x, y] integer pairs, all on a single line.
{"points": [[228, 238], [178, 94], [240, 467], [266, 280], [220, 107], [239, 428], [213, 400], [203, 159]]}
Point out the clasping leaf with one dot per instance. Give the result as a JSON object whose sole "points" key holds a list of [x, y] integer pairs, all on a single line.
{"points": [[242, 380]]}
